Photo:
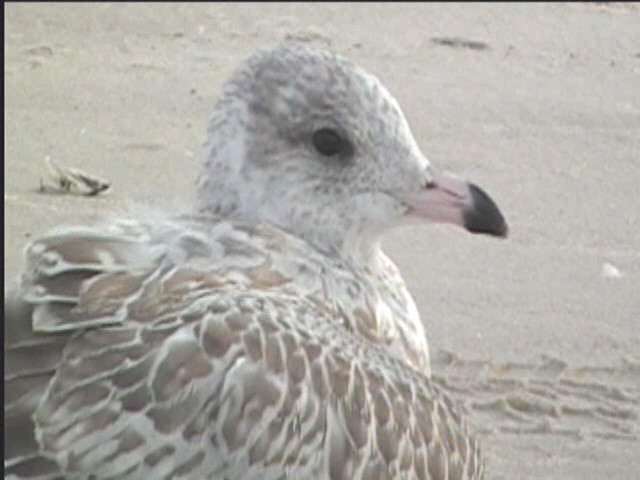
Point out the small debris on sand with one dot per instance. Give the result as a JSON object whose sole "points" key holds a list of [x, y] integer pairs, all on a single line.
{"points": [[68, 180], [610, 271], [459, 42]]}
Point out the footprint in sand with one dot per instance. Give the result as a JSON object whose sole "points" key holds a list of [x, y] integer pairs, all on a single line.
{"points": [[551, 397]]}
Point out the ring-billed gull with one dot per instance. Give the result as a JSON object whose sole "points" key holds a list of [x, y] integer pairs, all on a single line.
{"points": [[265, 335]]}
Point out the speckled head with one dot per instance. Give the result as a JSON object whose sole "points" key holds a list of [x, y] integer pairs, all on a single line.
{"points": [[306, 140]]}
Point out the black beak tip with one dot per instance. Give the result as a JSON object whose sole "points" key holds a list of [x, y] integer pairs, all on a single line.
{"points": [[483, 216]]}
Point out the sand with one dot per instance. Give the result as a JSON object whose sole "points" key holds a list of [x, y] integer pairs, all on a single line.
{"points": [[540, 104]]}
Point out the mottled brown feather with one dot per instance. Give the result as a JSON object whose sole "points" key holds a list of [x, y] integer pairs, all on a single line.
{"points": [[189, 369]]}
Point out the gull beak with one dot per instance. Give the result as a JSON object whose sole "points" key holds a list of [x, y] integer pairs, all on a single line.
{"points": [[446, 199]]}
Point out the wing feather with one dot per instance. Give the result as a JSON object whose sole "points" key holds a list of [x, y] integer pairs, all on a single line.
{"points": [[203, 372]]}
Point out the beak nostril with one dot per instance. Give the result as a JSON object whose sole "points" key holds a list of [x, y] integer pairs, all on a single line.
{"points": [[430, 185]]}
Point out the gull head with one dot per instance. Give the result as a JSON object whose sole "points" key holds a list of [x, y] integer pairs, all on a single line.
{"points": [[305, 140]]}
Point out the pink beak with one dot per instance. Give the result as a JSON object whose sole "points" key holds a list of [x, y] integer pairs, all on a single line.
{"points": [[446, 199]]}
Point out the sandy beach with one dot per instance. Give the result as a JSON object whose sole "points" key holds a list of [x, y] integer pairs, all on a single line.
{"points": [[537, 335]]}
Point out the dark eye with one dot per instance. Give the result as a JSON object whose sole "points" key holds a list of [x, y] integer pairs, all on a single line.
{"points": [[329, 142]]}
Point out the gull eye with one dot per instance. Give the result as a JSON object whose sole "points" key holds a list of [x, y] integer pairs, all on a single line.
{"points": [[329, 142]]}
